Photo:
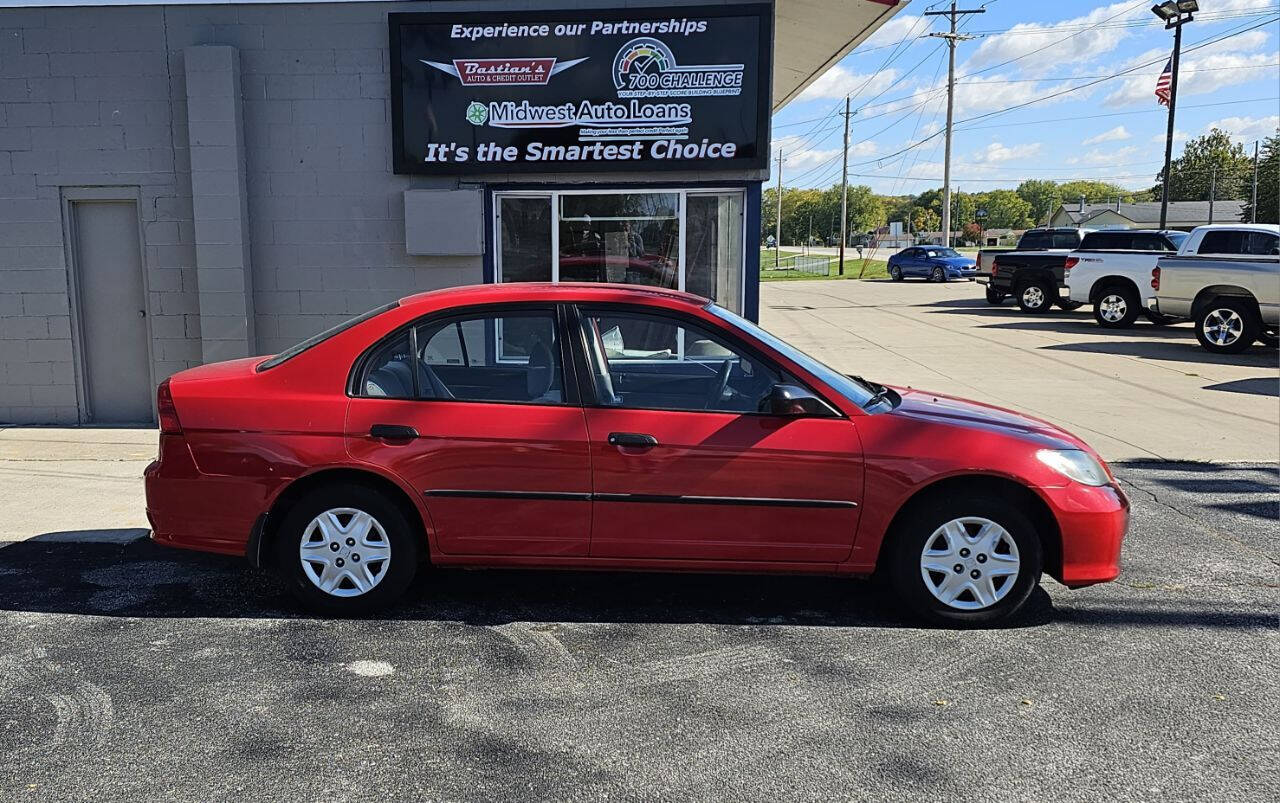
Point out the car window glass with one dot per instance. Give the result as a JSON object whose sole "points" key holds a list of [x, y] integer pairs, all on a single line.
{"points": [[1222, 241], [1149, 242], [389, 372], [1036, 239], [1260, 242], [652, 362], [508, 357], [1065, 239]]}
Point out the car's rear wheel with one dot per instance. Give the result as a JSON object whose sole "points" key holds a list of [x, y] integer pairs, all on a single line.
{"points": [[965, 560], [994, 296], [1035, 297], [1227, 326], [937, 275], [346, 549], [1117, 307]]}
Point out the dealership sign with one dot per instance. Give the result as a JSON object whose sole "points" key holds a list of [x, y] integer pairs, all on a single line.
{"points": [[581, 90]]}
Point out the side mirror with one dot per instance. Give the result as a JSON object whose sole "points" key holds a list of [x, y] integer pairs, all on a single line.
{"points": [[792, 400]]}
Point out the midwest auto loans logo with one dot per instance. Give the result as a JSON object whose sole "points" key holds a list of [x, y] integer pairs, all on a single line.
{"points": [[503, 72], [646, 68]]}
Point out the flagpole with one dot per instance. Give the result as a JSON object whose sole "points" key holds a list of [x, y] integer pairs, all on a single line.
{"points": [[1173, 104]]}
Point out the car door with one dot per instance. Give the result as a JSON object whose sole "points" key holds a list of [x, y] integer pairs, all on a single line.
{"points": [[684, 466], [910, 262], [474, 412]]}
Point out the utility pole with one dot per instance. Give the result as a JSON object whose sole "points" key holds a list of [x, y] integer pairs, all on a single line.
{"points": [[1213, 181], [1253, 204], [1175, 15], [951, 39], [777, 245], [844, 187]]}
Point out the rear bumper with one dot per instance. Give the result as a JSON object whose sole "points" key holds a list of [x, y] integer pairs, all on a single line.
{"points": [[188, 509], [1093, 523]]}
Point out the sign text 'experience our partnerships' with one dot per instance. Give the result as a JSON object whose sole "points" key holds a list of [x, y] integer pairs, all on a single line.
{"points": [[588, 91]]}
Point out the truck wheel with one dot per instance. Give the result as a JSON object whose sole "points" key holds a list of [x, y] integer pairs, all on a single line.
{"points": [[1227, 326], [994, 296], [1035, 297], [1117, 307]]}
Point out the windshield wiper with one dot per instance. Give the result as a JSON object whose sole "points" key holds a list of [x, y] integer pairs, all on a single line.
{"points": [[880, 395]]}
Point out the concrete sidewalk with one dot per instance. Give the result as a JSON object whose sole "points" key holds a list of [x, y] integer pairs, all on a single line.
{"points": [[1145, 392]]}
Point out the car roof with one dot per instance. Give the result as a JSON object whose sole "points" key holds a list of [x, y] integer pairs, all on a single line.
{"points": [[1267, 227], [551, 291], [1137, 231]]}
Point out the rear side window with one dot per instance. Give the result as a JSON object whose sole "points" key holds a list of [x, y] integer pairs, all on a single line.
{"points": [[1107, 240], [1035, 239], [1222, 241], [1260, 242], [1065, 239], [315, 340]]}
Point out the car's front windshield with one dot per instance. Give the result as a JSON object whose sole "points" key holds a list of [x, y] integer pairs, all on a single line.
{"points": [[861, 393], [945, 253]]}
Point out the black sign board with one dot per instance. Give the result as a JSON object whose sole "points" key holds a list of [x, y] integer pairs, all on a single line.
{"points": [[682, 88]]}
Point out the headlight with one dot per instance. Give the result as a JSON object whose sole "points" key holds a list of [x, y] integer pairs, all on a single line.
{"points": [[1074, 465]]}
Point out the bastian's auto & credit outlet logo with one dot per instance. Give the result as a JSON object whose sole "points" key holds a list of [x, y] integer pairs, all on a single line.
{"points": [[503, 72]]}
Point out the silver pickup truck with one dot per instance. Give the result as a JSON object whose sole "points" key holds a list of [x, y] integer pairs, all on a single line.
{"points": [[1227, 280]]}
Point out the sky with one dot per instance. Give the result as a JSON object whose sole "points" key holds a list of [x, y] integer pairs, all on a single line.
{"points": [[1026, 52]]}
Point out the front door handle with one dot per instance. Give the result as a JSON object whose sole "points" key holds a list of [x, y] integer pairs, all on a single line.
{"points": [[636, 440], [392, 432]]}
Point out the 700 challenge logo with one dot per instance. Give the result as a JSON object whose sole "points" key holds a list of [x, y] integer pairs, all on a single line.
{"points": [[646, 68]]}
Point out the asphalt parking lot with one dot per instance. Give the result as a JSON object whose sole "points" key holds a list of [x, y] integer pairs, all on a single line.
{"points": [[133, 672]]}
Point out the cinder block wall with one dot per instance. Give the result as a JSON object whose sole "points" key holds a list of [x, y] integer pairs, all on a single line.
{"points": [[97, 97]]}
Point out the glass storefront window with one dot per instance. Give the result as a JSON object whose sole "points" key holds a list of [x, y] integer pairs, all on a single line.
{"points": [[678, 239]]}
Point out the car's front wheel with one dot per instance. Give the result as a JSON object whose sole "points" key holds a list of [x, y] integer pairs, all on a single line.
{"points": [[346, 549], [895, 273], [965, 560], [937, 275]]}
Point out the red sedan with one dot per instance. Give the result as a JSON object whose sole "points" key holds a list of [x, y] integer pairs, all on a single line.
{"points": [[611, 427]]}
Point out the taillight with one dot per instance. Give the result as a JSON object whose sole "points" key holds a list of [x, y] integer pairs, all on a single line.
{"points": [[1071, 262], [1155, 278], [995, 268], [166, 410]]}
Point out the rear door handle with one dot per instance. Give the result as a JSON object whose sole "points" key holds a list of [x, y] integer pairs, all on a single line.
{"points": [[635, 440], [393, 432]]}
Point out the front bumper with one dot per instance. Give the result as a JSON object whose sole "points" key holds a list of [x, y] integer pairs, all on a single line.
{"points": [[1093, 522]]}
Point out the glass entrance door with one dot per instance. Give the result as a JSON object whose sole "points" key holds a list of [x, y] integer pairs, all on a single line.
{"points": [[677, 239]]}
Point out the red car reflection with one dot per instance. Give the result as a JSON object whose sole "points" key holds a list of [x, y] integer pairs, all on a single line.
{"points": [[613, 427]]}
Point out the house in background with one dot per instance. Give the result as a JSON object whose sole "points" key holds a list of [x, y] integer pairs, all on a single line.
{"points": [[1184, 215]]}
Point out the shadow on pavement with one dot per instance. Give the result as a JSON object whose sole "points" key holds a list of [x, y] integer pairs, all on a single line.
{"points": [[141, 579], [1259, 386], [1185, 350]]}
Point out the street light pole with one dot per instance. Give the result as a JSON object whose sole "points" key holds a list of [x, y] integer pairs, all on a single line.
{"points": [[1175, 14]]}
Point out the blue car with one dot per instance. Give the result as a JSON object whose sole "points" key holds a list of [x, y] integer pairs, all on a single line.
{"points": [[932, 262]]}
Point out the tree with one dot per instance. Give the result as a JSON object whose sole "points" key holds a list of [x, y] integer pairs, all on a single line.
{"points": [[1005, 210], [963, 208], [1190, 174], [1043, 195], [971, 233], [1268, 183], [924, 219], [1096, 192]]}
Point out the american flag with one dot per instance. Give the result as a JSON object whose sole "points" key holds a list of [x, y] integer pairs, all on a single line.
{"points": [[1162, 83]]}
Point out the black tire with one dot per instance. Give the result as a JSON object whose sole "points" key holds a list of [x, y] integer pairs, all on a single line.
{"points": [[919, 528], [1035, 296], [401, 537], [895, 273], [937, 275], [994, 296], [1067, 305], [1269, 339], [1117, 306], [1241, 322]]}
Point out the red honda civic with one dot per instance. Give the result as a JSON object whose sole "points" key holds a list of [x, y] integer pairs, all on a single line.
{"points": [[593, 426]]}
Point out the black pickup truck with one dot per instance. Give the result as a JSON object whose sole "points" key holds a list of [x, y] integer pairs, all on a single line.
{"points": [[1032, 272]]}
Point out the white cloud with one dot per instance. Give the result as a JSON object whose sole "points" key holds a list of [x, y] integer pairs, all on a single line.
{"points": [[1105, 156], [840, 81], [996, 152], [1178, 136], [1112, 135], [1039, 47], [1247, 129], [1217, 66]]}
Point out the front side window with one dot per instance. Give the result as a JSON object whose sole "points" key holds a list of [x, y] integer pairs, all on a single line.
{"points": [[652, 362], [506, 357]]}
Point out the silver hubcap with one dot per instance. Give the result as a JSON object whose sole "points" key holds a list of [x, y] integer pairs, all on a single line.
{"points": [[937, 274], [1033, 296], [970, 563], [1112, 308], [345, 552], [1223, 327]]}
